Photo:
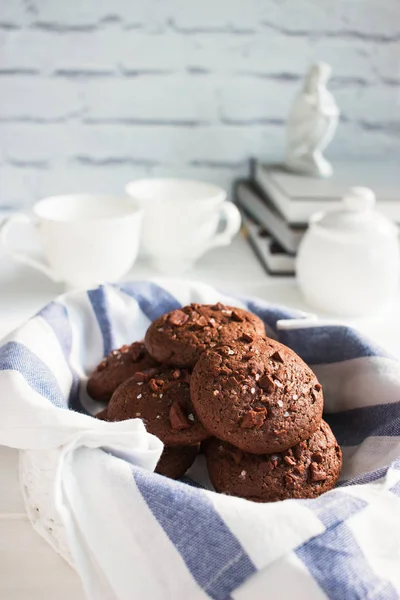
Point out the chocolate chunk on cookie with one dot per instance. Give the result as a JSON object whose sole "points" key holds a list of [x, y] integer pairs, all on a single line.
{"points": [[162, 399], [116, 368], [176, 460], [181, 336], [307, 470], [259, 396]]}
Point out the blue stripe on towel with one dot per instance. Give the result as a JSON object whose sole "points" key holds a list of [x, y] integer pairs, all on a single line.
{"points": [[269, 314], [15, 356], [98, 301], [364, 478], [339, 566], [152, 299], [56, 316], [211, 552], [334, 508], [396, 463], [351, 427], [329, 344], [396, 489]]}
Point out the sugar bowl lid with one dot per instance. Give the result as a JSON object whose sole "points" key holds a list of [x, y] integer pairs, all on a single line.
{"points": [[357, 215]]}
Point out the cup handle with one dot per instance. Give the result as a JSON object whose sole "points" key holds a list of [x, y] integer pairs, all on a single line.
{"points": [[233, 221], [21, 257]]}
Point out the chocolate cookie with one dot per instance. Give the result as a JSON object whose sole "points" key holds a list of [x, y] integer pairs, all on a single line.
{"points": [[181, 336], [307, 470], [116, 368], [176, 460], [258, 395], [162, 400]]}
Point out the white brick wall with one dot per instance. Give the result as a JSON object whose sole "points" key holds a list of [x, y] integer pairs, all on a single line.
{"points": [[94, 93]]}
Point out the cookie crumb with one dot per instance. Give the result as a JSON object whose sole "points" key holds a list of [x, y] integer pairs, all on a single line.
{"points": [[317, 474], [277, 356], [253, 419], [201, 322], [317, 457], [246, 338], [236, 317], [177, 416], [218, 306], [178, 318], [267, 383]]}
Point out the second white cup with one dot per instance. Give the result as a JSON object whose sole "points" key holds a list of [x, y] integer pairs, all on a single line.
{"points": [[182, 220]]}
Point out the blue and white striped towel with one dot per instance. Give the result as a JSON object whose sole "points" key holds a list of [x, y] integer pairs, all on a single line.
{"points": [[135, 534]]}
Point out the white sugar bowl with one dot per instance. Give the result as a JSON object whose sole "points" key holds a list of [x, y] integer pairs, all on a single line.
{"points": [[348, 263]]}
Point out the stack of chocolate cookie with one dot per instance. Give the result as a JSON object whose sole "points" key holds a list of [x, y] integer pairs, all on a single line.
{"points": [[208, 373]]}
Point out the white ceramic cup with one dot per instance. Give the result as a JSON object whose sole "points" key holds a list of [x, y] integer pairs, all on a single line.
{"points": [[86, 239], [181, 220]]}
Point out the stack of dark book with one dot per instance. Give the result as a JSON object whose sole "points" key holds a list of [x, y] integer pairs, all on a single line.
{"points": [[277, 205]]}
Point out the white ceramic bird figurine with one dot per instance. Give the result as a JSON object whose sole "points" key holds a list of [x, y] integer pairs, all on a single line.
{"points": [[312, 124]]}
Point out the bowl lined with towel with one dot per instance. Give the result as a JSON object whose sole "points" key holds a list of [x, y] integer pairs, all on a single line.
{"points": [[90, 489]]}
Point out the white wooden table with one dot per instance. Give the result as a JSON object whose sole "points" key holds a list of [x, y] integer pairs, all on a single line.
{"points": [[29, 568]]}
